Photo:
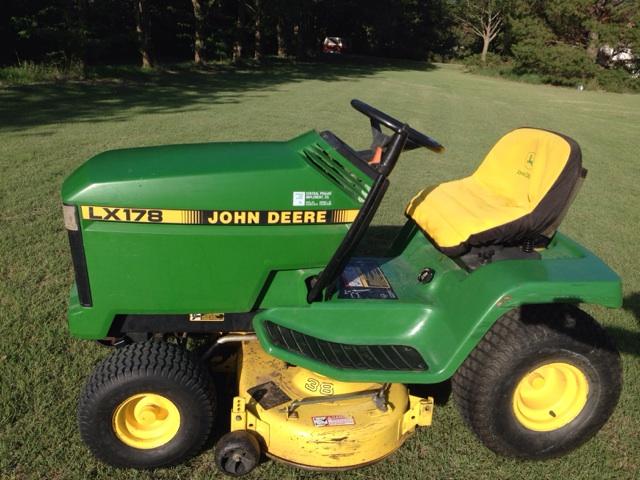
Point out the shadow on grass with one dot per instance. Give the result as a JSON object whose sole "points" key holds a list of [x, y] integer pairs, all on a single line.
{"points": [[441, 392], [115, 91], [628, 341], [631, 303]]}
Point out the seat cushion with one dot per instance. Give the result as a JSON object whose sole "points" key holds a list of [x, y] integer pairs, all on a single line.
{"points": [[519, 190]]}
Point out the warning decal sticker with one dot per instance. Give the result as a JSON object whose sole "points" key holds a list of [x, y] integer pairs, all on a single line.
{"points": [[333, 420], [363, 278], [312, 199]]}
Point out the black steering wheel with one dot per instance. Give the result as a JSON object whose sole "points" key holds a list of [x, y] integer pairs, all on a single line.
{"points": [[415, 139]]}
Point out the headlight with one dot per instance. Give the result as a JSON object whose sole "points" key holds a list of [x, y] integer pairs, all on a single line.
{"points": [[70, 217]]}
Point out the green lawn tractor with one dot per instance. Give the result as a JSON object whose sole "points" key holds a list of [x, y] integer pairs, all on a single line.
{"points": [[196, 260]]}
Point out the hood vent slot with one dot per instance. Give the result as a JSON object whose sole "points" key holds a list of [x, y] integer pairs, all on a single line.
{"points": [[337, 172]]}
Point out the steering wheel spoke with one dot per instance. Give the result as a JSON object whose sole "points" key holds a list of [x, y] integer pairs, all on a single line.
{"points": [[415, 139], [379, 139]]}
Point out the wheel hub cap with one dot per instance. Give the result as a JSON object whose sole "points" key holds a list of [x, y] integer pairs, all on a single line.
{"points": [[550, 397], [146, 421]]}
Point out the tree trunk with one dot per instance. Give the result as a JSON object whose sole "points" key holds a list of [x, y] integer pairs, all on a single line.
{"points": [[593, 46], [282, 46], [84, 28], [257, 36], [298, 35], [485, 48], [198, 34], [238, 33], [142, 34]]}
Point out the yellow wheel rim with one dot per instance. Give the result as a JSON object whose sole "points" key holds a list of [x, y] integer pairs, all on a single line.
{"points": [[550, 397], [146, 421]]}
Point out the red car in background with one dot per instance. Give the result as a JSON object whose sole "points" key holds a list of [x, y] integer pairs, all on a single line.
{"points": [[334, 45]]}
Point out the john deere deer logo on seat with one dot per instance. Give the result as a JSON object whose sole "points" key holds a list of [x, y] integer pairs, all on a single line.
{"points": [[530, 159], [528, 164]]}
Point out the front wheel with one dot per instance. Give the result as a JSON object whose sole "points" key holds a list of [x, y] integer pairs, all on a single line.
{"points": [[541, 382], [147, 405]]}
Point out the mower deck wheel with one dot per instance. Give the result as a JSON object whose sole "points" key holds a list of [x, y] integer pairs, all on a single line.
{"points": [[237, 453]]}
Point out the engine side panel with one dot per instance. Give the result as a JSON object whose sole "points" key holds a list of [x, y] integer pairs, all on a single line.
{"points": [[200, 228]]}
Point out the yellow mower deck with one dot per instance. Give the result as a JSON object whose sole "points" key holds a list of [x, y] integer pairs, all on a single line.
{"points": [[315, 422]]}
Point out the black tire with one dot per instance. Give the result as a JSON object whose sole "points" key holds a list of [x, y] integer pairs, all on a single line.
{"points": [[150, 367], [518, 343], [237, 453]]}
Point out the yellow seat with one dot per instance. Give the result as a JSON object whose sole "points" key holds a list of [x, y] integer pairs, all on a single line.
{"points": [[520, 191]]}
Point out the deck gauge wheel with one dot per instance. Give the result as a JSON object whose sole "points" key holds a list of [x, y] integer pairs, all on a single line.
{"points": [[237, 453]]}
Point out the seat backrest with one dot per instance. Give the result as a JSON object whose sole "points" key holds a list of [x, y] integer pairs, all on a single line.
{"points": [[526, 163]]}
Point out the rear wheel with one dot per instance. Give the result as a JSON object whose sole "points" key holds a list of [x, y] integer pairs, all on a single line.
{"points": [[147, 405], [540, 383]]}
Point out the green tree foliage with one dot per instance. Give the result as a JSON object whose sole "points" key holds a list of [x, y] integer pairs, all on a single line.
{"points": [[563, 40], [41, 31]]}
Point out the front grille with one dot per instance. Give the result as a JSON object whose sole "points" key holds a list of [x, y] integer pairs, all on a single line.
{"points": [[348, 182], [341, 355]]}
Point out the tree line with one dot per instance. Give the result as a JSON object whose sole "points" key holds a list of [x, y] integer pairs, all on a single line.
{"points": [[565, 42], [560, 39], [108, 31]]}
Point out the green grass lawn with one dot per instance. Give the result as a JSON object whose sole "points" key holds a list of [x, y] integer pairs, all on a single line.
{"points": [[48, 130]]}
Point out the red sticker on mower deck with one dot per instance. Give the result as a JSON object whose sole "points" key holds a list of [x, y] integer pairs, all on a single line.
{"points": [[333, 420]]}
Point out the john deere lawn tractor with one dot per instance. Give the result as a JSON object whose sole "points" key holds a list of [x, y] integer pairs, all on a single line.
{"points": [[195, 260]]}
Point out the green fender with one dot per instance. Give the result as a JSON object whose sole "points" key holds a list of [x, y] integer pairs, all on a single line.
{"points": [[443, 320]]}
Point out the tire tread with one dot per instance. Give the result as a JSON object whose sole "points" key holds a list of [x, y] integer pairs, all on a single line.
{"points": [[144, 359], [517, 330]]}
